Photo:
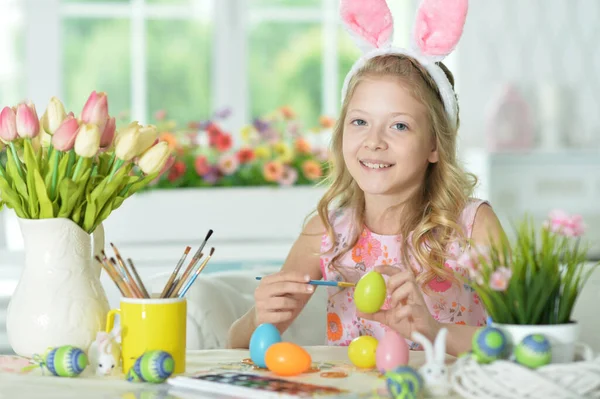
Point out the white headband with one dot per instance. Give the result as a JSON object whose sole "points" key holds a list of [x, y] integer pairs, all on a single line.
{"points": [[437, 29]]}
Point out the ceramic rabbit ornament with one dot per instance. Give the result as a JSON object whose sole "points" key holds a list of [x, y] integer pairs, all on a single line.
{"points": [[105, 352], [437, 29], [434, 372]]}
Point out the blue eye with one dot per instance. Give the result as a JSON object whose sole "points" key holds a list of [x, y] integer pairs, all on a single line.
{"points": [[400, 126], [359, 122]]}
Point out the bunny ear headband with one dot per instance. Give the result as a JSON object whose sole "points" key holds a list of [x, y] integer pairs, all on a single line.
{"points": [[437, 29]]}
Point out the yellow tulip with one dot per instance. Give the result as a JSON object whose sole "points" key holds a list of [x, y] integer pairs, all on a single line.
{"points": [[55, 114], [133, 140], [87, 142], [154, 158]]}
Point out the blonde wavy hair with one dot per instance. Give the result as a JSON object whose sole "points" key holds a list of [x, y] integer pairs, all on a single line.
{"points": [[434, 211]]}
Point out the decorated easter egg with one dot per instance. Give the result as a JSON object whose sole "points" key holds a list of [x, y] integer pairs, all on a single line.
{"points": [[362, 351], [287, 359], [263, 337], [404, 382], [66, 361], [489, 344], [533, 351], [154, 366], [392, 351], [132, 376], [370, 292]]}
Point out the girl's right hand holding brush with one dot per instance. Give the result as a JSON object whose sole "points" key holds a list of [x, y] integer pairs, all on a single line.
{"points": [[276, 298]]}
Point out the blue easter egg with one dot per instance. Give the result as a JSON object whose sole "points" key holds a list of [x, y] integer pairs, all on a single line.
{"points": [[154, 366], [404, 382], [489, 344], [533, 351], [263, 337], [66, 361]]}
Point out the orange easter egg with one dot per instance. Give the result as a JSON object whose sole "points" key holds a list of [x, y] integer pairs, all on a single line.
{"points": [[287, 359]]}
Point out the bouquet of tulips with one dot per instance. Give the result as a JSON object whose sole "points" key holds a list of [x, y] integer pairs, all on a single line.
{"points": [[80, 168], [537, 279]]}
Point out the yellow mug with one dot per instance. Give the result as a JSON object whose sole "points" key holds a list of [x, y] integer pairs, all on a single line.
{"points": [[151, 324]]}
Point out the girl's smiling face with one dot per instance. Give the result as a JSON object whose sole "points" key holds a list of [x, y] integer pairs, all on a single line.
{"points": [[387, 141]]}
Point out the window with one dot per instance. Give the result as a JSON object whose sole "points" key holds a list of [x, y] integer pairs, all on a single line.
{"points": [[192, 57], [11, 52], [148, 55]]}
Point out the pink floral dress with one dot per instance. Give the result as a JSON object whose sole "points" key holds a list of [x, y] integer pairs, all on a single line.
{"points": [[451, 304]]}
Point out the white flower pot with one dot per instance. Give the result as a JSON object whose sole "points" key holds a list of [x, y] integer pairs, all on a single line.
{"points": [[59, 299], [564, 339]]}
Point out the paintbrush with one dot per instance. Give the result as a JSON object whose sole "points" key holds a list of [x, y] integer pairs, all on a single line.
{"points": [[138, 279], [195, 275], [181, 280], [116, 277], [133, 283], [193, 262], [130, 286], [330, 283], [169, 283], [110, 274]]}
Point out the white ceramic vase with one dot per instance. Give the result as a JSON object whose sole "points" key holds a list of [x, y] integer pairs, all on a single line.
{"points": [[564, 339], [59, 299]]}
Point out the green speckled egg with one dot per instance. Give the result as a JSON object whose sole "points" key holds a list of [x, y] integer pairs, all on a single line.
{"points": [[154, 366], [66, 361], [533, 351], [489, 344]]}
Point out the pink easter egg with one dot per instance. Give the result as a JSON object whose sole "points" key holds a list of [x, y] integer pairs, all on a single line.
{"points": [[392, 352]]}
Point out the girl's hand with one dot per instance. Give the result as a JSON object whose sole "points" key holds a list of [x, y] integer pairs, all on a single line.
{"points": [[280, 297], [408, 311]]}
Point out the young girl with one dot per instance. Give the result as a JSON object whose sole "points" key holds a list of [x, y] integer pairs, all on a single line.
{"points": [[398, 202]]}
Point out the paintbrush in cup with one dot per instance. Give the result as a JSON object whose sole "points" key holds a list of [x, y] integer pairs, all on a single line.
{"points": [[181, 280], [138, 278], [195, 275], [133, 283], [168, 286], [114, 276], [193, 262], [130, 286]]}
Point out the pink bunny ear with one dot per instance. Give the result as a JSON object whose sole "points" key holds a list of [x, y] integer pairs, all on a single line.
{"points": [[439, 26], [370, 20], [101, 336]]}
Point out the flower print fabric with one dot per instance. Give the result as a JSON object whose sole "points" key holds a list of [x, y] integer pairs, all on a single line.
{"points": [[447, 303]]}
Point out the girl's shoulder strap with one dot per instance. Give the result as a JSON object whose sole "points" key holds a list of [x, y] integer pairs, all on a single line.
{"points": [[467, 216]]}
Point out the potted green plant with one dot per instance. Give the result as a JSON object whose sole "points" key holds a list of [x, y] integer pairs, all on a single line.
{"points": [[532, 284]]}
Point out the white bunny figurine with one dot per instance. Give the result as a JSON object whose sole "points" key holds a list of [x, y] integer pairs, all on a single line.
{"points": [[104, 353], [435, 373]]}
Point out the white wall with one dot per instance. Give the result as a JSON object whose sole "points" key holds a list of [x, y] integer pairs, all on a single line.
{"points": [[532, 43]]}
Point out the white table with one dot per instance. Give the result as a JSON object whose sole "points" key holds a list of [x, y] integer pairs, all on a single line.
{"points": [[35, 385]]}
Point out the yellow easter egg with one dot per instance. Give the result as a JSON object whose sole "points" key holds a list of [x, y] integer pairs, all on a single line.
{"points": [[362, 350], [370, 293]]}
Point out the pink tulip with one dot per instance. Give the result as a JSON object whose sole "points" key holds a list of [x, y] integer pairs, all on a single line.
{"points": [[95, 110], [8, 124], [108, 134], [28, 123], [560, 222], [64, 137]]}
